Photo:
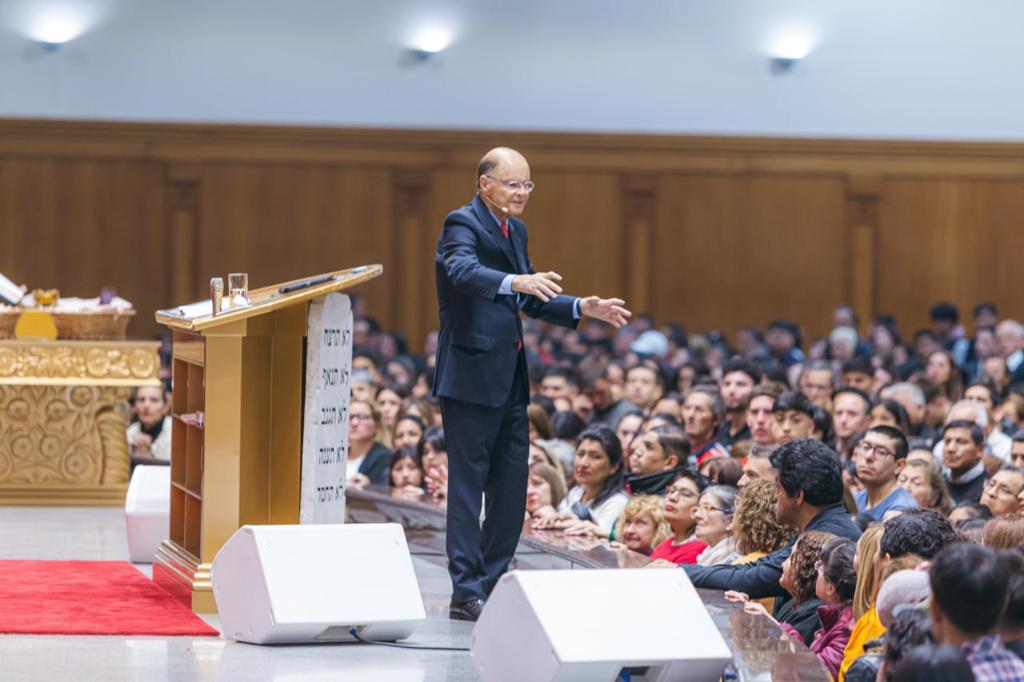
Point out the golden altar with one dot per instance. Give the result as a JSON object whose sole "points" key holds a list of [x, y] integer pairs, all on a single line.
{"points": [[63, 412]]}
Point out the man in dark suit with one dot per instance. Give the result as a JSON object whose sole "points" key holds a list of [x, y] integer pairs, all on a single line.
{"points": [[484, 278]]}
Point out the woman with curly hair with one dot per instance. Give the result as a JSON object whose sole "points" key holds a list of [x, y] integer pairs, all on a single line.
{"points": [[799, 578], [755, 529]]}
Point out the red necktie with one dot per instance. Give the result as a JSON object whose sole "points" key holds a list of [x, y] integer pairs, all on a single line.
{"points": [[504, 229]]}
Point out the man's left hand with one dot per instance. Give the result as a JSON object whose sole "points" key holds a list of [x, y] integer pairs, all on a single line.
{"points": [[609, 310]]}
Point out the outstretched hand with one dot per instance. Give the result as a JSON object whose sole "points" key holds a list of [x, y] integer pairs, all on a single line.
{"points": [[609, 310], [543, 285]]}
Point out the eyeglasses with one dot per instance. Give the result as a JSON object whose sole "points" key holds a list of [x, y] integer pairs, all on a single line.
{"points": [[679, 492], [514, 185], [360, 417], [868, 448], [707, 509]]}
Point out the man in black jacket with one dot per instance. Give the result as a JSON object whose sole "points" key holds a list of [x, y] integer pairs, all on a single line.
{"points": [[810, 489]]}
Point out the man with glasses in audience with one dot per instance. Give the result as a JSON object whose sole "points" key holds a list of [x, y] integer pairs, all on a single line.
{"points": [[879, 457], [484, 279], [1000, 492]]}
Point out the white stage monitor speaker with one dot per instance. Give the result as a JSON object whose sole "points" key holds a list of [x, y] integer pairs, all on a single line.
{"points": [[147, 515], [315, 583], [587, 625]]}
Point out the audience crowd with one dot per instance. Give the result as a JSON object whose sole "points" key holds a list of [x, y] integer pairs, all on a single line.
{"points": [[864, 489]]}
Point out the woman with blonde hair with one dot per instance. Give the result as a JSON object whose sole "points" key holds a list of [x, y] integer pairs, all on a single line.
{"points": [[545, 490], [867, 625], [642, 525], [369, 460]]}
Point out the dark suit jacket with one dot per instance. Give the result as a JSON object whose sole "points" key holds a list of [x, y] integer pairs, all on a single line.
{"points": [[480, 329], [377, 465]]}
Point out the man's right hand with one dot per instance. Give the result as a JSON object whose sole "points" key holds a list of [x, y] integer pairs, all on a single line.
{"points": [[543, 285]]}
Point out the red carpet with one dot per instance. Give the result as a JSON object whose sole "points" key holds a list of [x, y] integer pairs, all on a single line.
{"points": [[89, 598]]}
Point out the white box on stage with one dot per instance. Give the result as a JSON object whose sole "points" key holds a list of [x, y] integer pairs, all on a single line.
{"points": [[315, 582], [587, 625], [147, 511]]}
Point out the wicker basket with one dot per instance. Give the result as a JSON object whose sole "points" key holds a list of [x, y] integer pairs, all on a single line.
{"points": [[94, 326], [8, 318]]}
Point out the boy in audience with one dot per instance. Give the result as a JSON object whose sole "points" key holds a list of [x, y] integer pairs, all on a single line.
{"points": [[969, 590], [810, 488], [880, 456], [793, 417]]}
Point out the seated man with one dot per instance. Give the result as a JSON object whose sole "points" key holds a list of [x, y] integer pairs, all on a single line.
{"points": [[656, 459], [758, 464], [703, 411], [1002, 489], [880, 456], [810, 489], [759, 413], [969, 589], [963, 468]]}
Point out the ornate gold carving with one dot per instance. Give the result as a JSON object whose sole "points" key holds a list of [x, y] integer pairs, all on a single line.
{"points": [[86, 362], [68, 435]]}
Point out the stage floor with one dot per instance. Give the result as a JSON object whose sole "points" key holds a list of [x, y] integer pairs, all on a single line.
{"points": [[99, 534]]}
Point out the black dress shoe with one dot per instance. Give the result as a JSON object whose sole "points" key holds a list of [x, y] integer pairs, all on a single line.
{"points": [[466, 610]]}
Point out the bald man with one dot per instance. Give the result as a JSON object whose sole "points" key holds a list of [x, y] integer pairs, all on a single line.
{"points": [[484, 279]]}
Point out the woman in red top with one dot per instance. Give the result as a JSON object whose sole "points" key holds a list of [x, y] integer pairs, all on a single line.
{"points": [[682, 547]]}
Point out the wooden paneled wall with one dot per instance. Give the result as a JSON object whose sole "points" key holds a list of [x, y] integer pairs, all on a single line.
{"points": [[709, 232]]}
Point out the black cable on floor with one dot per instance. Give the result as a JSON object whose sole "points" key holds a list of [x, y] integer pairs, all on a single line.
{"points": [[359, 638]]}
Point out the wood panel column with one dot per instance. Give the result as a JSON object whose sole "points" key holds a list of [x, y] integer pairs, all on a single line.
{"points": [[638, 208], [862, 219], [183, 199], [413, 298]]}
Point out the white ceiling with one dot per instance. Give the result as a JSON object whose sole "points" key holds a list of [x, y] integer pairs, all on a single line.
{"points": [[879, 68]]}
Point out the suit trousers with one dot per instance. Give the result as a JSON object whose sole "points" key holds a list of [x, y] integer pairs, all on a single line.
{"points": [[488, 457]]}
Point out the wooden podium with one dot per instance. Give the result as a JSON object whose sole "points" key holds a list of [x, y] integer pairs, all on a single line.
{"points": [[243, 370]]}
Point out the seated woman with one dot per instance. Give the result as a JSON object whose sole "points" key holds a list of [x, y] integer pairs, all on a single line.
{"points": [[389, 400], [595, 502], [369, 460], [434, 460], [755, 528], [682, 546], [835, 586], [714, 514], [888, 412], [924, 482], [149, 438], [642, 525], [545, 490], [540, 453], [408, 431], [799, 579], [406, 470]]}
